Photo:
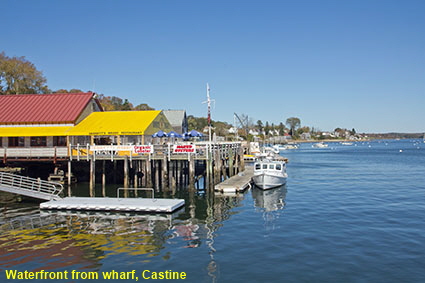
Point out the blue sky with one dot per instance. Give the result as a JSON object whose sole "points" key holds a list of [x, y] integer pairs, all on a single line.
{"points": [[349, 64]]}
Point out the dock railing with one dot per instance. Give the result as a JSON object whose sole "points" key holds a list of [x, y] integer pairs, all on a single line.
{"points": [[198, 150], [31, 187]]}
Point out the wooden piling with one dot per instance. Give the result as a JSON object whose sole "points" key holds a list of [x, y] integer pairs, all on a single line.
{"points": [[69, 178], [126, 178], [103, 178], [148, 174], [92, 176]]}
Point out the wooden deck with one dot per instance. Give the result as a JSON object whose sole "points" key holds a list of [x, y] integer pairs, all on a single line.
{"points": [[237, 183]]}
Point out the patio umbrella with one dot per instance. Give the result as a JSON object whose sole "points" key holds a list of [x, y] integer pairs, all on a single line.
{"points": [[160, 134], [173, 134], [194, 134]]}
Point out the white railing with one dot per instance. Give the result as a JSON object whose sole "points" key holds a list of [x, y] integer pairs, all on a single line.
{"points": [[84, 151], [32, 152], [30, 186], [201, 150]]}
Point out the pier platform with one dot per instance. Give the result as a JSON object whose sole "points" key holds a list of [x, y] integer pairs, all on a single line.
{"points": [[151, 205], [237, 183]]}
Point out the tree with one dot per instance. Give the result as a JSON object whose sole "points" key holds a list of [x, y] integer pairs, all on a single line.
{"points": [[293, 123], [259, 125], [143, 106], [281, 129], [19, 76], [73, 90]]}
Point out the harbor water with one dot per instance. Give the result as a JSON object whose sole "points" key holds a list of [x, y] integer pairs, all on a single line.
{"points": [[348, 213]]}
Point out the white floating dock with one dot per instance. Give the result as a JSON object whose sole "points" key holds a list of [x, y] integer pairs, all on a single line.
{"points": [[151, 205]]}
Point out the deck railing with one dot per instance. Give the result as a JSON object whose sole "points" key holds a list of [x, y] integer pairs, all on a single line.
{"points": [[199, 150], [34, 152]]}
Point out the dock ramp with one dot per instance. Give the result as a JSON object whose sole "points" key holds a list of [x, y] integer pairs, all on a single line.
{"points": [[30, 187]]}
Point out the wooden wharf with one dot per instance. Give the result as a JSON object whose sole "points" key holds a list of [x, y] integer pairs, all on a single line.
{"points": [[237, 183], [166, 166]]}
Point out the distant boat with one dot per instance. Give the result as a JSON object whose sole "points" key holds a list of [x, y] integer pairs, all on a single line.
{"points": [[291, 146], [269, 174], [346, 143], [320, 145]]}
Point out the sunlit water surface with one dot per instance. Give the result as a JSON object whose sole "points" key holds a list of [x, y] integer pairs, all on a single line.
{"points": [[347, 214]]}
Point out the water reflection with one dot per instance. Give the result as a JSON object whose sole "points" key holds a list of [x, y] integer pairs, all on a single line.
{"points": [[269, 200], [270, 203], [34, 239]]}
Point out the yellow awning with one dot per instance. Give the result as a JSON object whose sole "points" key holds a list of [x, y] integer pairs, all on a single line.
{"points": [[115, 123], [33, 131]]}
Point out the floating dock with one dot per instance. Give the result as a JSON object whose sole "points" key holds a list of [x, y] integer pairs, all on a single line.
{"points": [[237, 183], [151, 205]]}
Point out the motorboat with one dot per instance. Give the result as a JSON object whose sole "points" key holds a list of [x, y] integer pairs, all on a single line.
{"points": [[291, 146], [320, 145], [269, 174]]}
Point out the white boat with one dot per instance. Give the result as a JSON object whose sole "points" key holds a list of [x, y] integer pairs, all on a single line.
{"points": [[346, 143], [271, 149], [269, 174], [291, 146], [320, 145]]}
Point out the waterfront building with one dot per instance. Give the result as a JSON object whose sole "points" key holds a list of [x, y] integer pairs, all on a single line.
{"points": [[119, 128], [42, 120], [177, 119]]}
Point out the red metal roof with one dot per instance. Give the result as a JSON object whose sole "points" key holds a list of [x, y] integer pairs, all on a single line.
{"points": [[42, 108]]}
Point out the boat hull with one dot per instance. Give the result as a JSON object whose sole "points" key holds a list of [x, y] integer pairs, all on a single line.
{"points": [[266, 181]]}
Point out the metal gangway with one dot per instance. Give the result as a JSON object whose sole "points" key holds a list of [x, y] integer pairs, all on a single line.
{"points": [[31, 187]]}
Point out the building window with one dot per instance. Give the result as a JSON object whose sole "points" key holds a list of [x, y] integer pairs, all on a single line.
{"points": [[38, 141], [59, 141], [16, 142], [1, 141]]}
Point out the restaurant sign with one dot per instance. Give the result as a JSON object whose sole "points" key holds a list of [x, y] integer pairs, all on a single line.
{"points": [[143, 149], [184, 148]]}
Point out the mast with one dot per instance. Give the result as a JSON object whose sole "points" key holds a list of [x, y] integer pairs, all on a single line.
{"points": [[209, 112]]}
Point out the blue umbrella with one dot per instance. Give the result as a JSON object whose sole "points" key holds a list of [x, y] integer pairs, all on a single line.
{"points": [[173, 134], [193, 134], [160, 134]]}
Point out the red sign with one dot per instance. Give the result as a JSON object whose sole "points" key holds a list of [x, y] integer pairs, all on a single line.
{"points": [[184, 148], [143, 149]]}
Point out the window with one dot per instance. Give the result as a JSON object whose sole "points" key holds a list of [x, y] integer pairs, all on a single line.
{"points": [[271, 166], [264, 166], [16, 142], [278, 167], [103, 141], [38, 141], [1, 141], [257, 166], [59, 141]]}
